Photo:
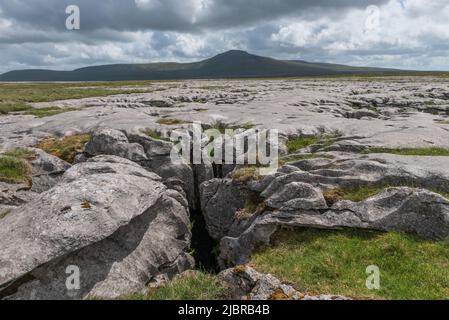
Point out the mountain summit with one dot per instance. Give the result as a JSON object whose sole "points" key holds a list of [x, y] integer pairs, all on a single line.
{"points": [[230, 64]]}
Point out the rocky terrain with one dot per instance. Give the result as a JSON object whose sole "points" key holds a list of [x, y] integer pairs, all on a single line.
{"points": [[122, 210]]}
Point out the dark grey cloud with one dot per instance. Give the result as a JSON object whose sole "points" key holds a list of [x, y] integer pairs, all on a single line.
{"points": [[409, 33], [173, 15]]}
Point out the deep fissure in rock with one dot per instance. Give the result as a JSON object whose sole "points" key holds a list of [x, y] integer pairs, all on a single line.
{"points": [[203, 245]]}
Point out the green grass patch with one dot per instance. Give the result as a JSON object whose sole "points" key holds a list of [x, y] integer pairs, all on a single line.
{"points": [[15, 97], [21, 153], [246, 126], [172, 121], [353, 194], [297, 144], [219, 125], [200, 286], [335, 262], [66, 148], [12, 106], [155, 135], [433, 151], [222, 126], [14, 170], [362, 193], [442, 121], [302, 157]]}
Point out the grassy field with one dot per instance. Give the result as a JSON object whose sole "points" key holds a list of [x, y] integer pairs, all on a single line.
{"points": [[14, 97], [335, 262]]}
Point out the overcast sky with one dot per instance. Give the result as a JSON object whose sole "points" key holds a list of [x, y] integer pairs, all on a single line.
{"points": [[412, 34]]}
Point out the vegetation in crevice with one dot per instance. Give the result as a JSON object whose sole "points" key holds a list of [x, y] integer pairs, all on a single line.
{"points": [[66, 148], [197, 286], [155, 135], [299, 143], [172, 121], [15, 167], [245, 174], [254, 204], [361, 193], [302, 157], [432, 151], [296, 144]]}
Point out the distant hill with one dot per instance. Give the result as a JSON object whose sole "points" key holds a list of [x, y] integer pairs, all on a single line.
{"points": [[231, 64]]}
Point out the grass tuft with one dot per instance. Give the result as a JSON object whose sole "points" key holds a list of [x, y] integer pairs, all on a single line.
{"points": [[255, 204], [362, 193], [21, 153], [335, 262], [297, 144], [353, 194], [302, 157], [155, 135], [172, 121], [200, 286], [434, 151], [14, 170], [66, 148], [246, 174]]}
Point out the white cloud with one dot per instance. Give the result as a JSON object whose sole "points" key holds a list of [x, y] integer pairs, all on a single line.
{"points": [[400, 31]]}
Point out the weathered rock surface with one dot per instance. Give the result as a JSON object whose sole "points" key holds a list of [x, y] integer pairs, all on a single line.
{"points": [[110, 218], [58, 225], [293, 198], [245, 283], [152, 154], [47, 170], [220, 200], [414, 211], [114, 142]]}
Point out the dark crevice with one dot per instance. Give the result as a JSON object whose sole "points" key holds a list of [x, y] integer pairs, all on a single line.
{"points": [[203, 246], [218, 170]]}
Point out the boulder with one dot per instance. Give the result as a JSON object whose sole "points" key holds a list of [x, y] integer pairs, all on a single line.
{"points": [[245, 283], [220, 200], [152, 154], [47, 170], [109, 219], [114, 142], [296, 196]]}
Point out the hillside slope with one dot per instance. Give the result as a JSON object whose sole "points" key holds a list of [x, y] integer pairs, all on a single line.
{"points": [[231, 64]]}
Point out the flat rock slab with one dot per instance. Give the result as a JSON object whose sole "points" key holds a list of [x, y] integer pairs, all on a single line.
{"points": [[390, 112]]}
